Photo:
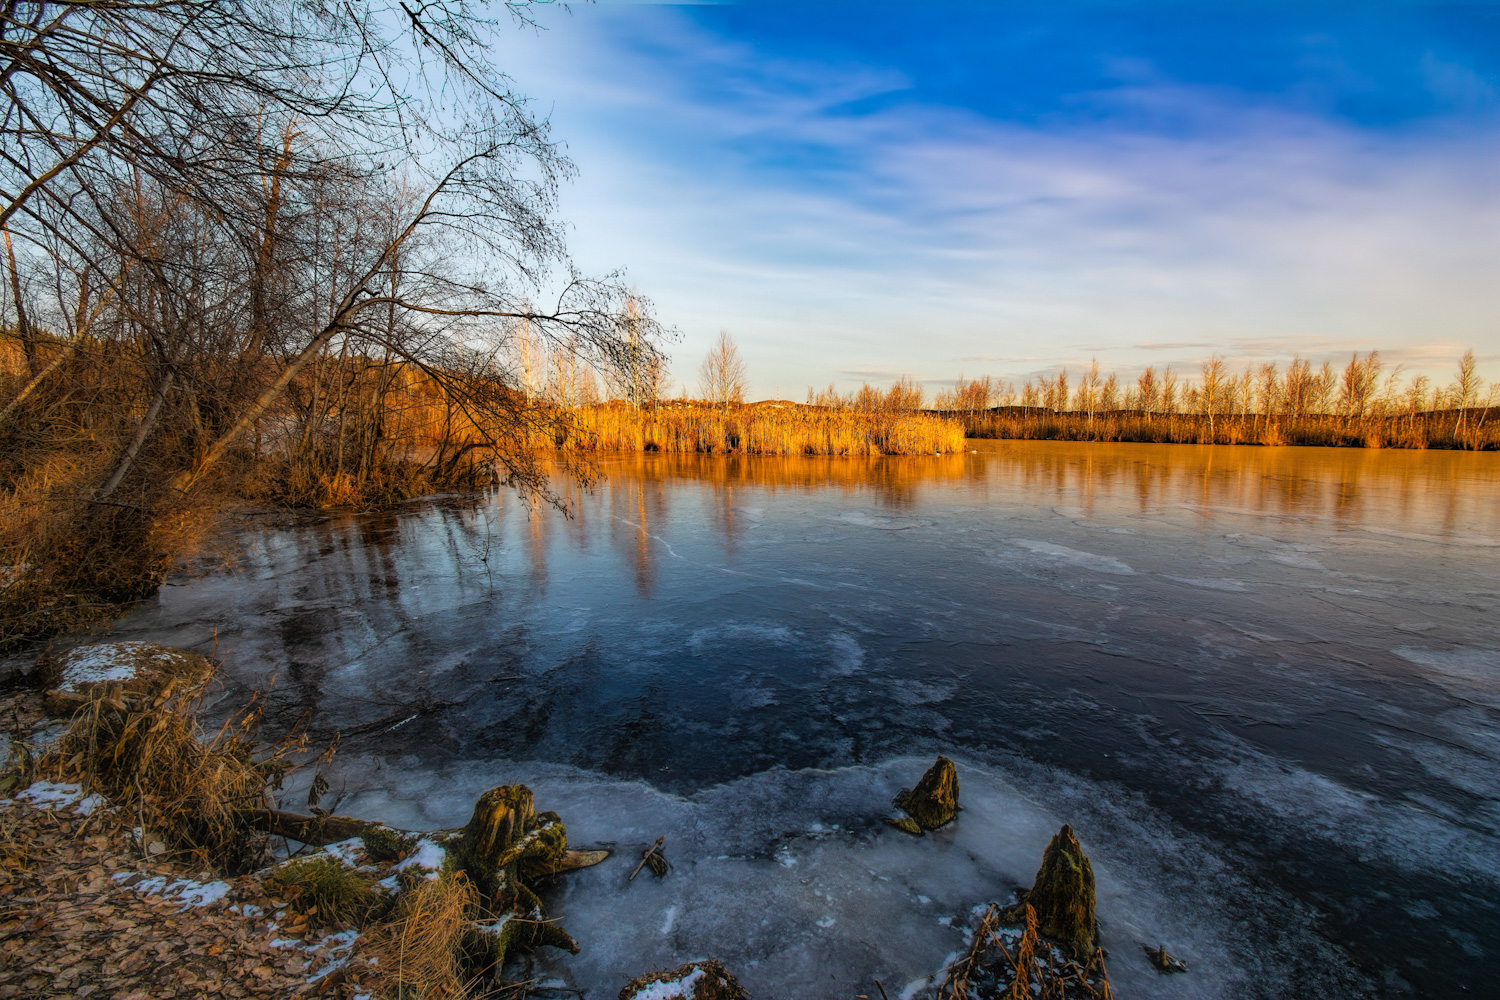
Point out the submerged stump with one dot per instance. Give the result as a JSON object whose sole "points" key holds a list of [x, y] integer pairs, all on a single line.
{"points": [[933, 803], [1063, 896]]}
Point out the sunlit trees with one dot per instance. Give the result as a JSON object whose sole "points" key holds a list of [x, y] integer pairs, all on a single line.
{"points": [[904, 396], [1466, 385], [723, 376]]}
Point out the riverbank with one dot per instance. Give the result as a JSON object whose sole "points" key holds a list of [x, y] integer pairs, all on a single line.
{"points": [[359, 909]]}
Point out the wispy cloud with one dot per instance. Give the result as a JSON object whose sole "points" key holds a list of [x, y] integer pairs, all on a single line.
{"points": [[821, 215]]}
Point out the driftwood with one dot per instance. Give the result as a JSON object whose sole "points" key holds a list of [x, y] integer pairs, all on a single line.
{"points": [[652, 852], [321, 829]]}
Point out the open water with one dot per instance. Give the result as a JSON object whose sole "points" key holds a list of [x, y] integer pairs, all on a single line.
{"points": [[1263, 685]]}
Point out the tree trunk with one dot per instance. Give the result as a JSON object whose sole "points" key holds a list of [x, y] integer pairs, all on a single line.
{"points": [[148, 422]]}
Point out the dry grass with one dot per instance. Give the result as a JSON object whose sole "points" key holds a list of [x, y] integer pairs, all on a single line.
{"points": [[1476, 430], [144, 749], [1031, 968], [420, 951], [758, 429], [327, 891]]}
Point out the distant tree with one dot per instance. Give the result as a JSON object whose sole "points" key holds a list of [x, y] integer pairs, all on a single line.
{"points": [[1109, 394], [904, 396], [723, 376], [1214, 389], [971, 396], [1147, 392], [1466, 385], [1358, 383], [1168, 390]]}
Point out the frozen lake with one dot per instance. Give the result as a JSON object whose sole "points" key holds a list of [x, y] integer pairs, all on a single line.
{"points": [[1262, 684]]}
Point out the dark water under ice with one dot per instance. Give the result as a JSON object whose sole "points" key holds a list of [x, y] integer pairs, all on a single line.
{"points": [[1262, 684]]}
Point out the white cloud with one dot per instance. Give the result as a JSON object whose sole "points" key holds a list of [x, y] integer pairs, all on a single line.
{"points": [[743, 192]]}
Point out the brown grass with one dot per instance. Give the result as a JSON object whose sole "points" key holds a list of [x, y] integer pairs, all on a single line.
{"points": [[757, 429], [419, 952], [1474, 430], [145, 751]]}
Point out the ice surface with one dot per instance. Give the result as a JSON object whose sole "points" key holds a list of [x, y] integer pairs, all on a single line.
{"points": [[1277, 737], [1468, 673], [789, 878], [1063, 555], [881, 522]]}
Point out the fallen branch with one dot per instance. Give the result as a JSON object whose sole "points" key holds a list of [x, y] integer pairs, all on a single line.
{"points": [[650, 851]]}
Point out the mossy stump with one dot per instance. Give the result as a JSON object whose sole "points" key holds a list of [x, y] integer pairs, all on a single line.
{"points": [[703, 980], [933, 803], [505, 842], [1063, 896]]}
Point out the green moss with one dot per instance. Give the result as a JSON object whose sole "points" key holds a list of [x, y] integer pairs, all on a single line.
{"points": [[934, 801], [384, 845], [1063, 896], [327, 890]]}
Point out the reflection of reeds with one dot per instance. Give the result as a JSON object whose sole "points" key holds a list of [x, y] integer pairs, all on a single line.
{"points": [[759, 430], [1473, 430]]}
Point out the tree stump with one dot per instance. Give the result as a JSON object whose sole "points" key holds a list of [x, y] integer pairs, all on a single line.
{"points": [[1063, 896], [933, 802], [505, 842]]}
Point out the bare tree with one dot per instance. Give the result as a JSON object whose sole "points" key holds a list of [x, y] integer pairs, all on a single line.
{"points": [[1466, 385], [722, 376]]}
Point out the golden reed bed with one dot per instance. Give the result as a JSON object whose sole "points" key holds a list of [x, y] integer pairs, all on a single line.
{"points": [[758, 429]]}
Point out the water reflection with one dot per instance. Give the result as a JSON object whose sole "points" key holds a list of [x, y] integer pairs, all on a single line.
{"points": [[1425, 494]]}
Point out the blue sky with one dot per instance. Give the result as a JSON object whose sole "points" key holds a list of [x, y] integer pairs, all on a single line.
{"points": [[858, 191]]}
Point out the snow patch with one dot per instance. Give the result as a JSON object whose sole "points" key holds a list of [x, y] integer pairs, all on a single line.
{"points": [[428, 856], [185, 892], [347, 851], [672, 989], [56, 795], [110, 661]]}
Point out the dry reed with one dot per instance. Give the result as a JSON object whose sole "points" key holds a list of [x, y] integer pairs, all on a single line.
{"points": [[142, 747], [1474, 430], [757, 429], [419, 953]]}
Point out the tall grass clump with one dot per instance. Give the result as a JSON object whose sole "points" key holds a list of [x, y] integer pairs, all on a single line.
{"points": [[140, 744], [420, 952]]}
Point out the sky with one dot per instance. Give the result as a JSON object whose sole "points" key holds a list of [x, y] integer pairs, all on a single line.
{"points": [[860, 191]]}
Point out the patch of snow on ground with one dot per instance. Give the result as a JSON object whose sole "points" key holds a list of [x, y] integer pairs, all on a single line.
{"points": [[671, 989], [347, 851], [428, 856], [110, 661], [185, 892], [54, 795]]}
